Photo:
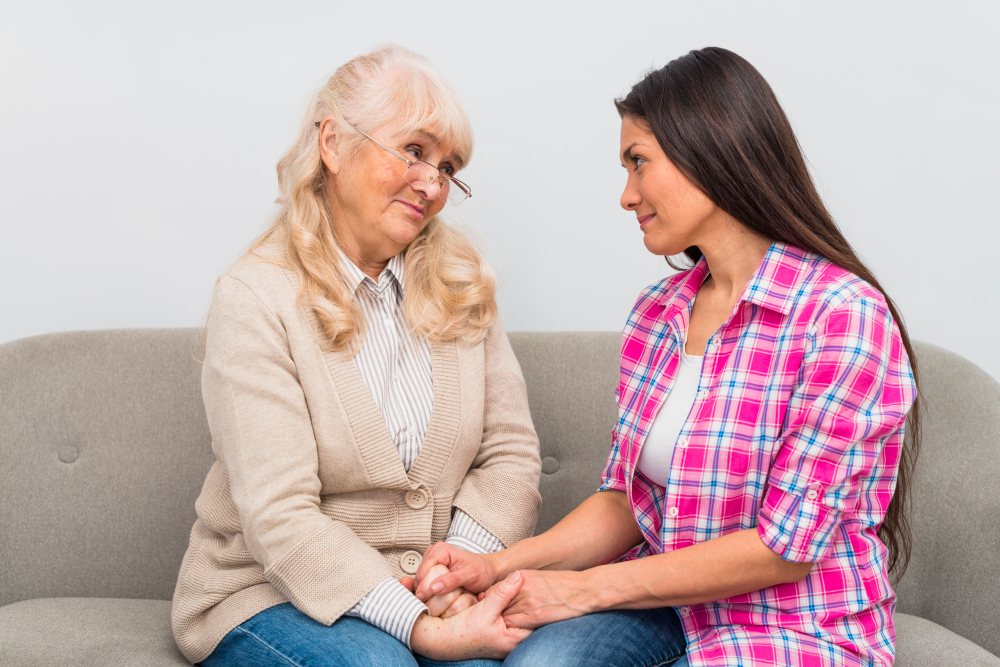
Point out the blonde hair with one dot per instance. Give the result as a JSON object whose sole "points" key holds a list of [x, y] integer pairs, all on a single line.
{"points": [[450, 290]]}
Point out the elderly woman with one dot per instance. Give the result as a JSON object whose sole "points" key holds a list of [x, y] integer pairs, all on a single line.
{"points": [[362, 397]]}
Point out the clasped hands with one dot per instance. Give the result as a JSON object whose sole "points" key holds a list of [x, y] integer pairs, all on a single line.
{"points": [[462, 625]]}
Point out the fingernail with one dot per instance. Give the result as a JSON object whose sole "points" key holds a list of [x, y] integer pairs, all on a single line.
{"points": [[514, 577], [437, 587]]}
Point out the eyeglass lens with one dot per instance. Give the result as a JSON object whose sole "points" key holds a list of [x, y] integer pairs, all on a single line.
{"points": [[423, 174]]}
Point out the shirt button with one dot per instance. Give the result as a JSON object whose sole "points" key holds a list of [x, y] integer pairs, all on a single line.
{"points": [[682, 442], [703, 393], [811, 494], [395, 377], [673, 511], [716, 342], [388, 322], [411, 431], [410, 562], [416, 499]]}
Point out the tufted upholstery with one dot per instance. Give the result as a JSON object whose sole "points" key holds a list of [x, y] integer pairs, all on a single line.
{"points": [[104, 447]]}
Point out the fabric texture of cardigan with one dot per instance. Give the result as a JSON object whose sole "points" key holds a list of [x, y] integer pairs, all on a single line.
{"points": [[305, 502]]}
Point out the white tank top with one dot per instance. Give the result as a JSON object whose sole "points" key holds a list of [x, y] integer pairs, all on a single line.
{"points": [[658, 449]]}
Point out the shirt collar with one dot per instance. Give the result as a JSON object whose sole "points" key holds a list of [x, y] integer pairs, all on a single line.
{"points": [[394, 270], [774, 285], [776, 282]]}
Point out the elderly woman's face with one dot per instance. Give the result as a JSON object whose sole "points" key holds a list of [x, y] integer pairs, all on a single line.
{"points": [[375, 205]]}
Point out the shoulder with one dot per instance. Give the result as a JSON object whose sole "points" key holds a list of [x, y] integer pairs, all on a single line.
{"points": [[828, 288], [264, 276]]}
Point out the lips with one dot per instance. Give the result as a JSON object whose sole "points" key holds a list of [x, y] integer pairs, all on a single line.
{"points": [[416, 208], [643, 219]]}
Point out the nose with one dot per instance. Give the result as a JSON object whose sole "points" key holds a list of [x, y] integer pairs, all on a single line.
{"points": [[429, 189], [630, 196]]}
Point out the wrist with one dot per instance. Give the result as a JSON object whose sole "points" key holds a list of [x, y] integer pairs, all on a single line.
{"points": [[598, 594], [496, 564], [425, 636]]}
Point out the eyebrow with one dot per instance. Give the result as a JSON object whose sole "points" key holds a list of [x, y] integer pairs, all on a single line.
{"points": [[627, 153], [429, 135], [433, 138]]}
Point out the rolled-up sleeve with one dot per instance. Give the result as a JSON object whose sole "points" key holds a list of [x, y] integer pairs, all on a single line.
{"points": [[844, 429], [262, 433], [500, 491]]}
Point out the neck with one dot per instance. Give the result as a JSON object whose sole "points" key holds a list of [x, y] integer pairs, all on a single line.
{"points": [[733, 255], [370, 263]]}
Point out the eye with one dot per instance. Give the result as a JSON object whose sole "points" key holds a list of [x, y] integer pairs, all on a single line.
{"points": [[638, 161], [447, 169], [414, 150]]}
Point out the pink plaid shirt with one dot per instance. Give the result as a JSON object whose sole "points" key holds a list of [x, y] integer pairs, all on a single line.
{"points": [[796, 430]]}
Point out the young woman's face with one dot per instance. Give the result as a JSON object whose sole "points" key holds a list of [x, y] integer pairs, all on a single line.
{"points": [[672, 213], [376, 205]]}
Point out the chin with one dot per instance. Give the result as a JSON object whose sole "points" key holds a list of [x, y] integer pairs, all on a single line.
{"points": [[406, 231], [658, 247]]}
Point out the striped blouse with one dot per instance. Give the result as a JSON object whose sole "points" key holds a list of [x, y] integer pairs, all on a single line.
{"points": [[396, 367]]}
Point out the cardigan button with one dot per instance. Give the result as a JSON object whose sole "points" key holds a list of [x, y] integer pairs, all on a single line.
{"points": [[416, 499], [410, 562]]}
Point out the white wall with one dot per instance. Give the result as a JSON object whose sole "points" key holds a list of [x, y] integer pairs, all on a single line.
{"points": [[138, 143]]}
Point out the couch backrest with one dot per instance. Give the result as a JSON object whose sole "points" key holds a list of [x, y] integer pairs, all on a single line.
{"points": [[954, 574], [104, 447]]}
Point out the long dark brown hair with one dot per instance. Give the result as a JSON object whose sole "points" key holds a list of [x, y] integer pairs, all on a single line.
{"points": [[719, 122]]}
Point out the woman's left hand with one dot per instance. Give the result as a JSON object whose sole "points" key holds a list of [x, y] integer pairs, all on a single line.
{"points": [[549, 596]]}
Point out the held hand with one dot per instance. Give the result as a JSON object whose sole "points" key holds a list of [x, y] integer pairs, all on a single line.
{"points": [[474, 572], [476, 632], [547, 597], [463, 602], [447, 604]]}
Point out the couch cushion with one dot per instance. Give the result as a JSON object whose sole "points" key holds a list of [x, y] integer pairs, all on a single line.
{"points": [[87, 631], [923, 643], [136, 633]]}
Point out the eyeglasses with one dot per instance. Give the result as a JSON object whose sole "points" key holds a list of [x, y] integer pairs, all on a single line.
{"points": [[422, 174]]}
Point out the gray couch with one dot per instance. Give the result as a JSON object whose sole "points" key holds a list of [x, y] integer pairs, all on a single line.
{"points": [[104, 447]]}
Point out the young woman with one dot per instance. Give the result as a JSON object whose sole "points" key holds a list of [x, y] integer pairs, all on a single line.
{"points": [[327, 347], [753, 504]]}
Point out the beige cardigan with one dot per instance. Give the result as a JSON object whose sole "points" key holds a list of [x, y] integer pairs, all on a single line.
{"points": [[305, 500]]}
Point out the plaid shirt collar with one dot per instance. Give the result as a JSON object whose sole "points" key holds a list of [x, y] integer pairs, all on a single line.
{"points": [[774, 285]]}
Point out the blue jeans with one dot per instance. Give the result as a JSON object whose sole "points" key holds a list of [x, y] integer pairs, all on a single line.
{"points": [[625, 638], [282, 636]]}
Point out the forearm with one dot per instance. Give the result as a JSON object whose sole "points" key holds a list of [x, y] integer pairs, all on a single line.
{"points": [[390, 607], [714, 570], [601, 529]]}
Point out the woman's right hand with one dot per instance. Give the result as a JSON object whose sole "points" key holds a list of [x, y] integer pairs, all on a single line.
{"points": [[474, 572], [478, 632]]}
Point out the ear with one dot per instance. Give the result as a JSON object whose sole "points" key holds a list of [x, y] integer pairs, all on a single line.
{"points": [[328, 150]]}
